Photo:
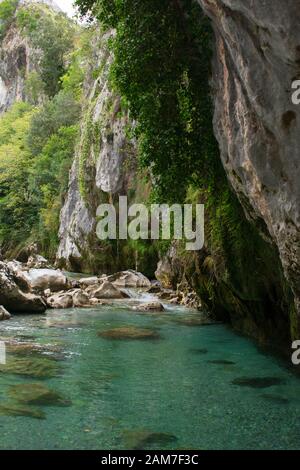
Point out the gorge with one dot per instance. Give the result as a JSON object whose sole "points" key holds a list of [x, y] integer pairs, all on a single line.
{"points": [[161, 102]]}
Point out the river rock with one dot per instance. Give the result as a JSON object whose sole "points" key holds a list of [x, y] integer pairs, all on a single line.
{"points": [[4, 314], [89, 281], [15, 409], [41, 279], [37, 394], [81, 299], [13, 298], [129, 332], [150, 307], [38, 262], [107, 291], [63, 300]]}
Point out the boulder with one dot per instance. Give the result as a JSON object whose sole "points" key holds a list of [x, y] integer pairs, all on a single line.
{"points": [[38, 262], [107, 291], [42, 279], [4, 314], [129, 278], [13, 298], [88, 281], [81, 299], [62, 300], [150, 307]]}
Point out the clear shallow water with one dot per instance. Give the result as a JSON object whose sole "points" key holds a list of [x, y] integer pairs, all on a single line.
{"points": [[122, 391]]}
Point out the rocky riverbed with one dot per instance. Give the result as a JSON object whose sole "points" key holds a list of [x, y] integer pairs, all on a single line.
{"points": [[34, 287]]}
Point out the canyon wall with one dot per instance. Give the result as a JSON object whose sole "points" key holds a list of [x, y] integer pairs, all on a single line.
{"points": [[257, 57]]}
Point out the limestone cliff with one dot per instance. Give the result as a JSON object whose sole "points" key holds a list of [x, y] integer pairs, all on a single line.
{"points": [[16, 62], [103, 168], [257, 126]]}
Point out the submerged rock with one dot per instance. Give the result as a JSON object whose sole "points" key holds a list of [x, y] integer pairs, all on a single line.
{"points": [[140, 440], [150, 307], [129, 332], [258, 382], [37, 394], [4, 314], [277, 399], [199, 351], [15, 409], [221, 362], [31, 367]]}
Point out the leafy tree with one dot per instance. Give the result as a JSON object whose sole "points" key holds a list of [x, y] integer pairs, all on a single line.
{"points": [[62, 111], [52, 35], [7, 12]]}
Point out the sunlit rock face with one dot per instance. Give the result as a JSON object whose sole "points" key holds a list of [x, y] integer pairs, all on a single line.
{"points": [[104, 163], [15, 64], [257, 57]]}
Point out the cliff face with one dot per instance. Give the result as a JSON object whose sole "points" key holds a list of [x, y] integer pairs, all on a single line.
{"points": [[257, 58], [103, 168], [15, 64]]}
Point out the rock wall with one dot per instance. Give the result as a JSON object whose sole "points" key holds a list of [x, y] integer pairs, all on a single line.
{"points": [[257, 57], [15, 64], [104, 165]]}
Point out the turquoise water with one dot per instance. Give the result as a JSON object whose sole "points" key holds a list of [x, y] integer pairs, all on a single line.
{"points": [[169, 393]]}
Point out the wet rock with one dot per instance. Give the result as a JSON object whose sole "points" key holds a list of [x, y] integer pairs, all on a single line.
{"points": [[175, 301], [37, 394], [129, 332], [89, 281], [14, 409], [150, 307], [41, 279], [129, 278], [140, 440], [13, 298], [4, 314], [60, 301], [107, 291], [30, 367], [81, 299], [258, 382]]}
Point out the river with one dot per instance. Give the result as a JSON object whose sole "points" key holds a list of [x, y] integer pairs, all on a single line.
{"points": [[64, 386]]}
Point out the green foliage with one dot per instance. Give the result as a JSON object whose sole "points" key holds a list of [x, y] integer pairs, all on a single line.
{"points": [[34, 88], [62, 111], [7, 12], [51, 34], [32, 184], [17, 215], [162, 55], [48, 182]]}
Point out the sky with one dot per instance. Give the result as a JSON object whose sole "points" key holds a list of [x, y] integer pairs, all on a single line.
{"points": [[66, 6]]}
